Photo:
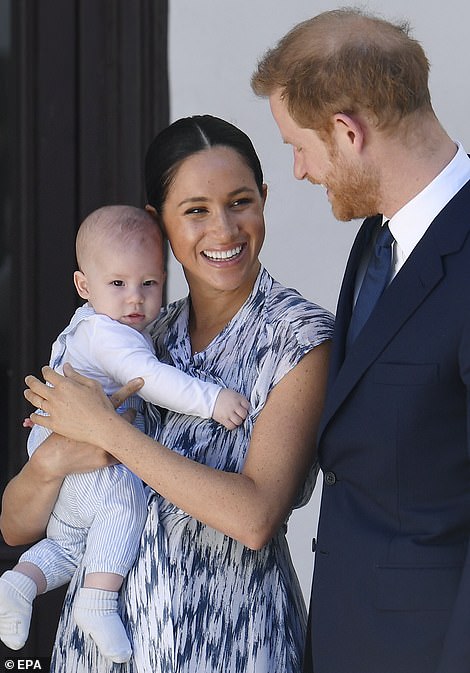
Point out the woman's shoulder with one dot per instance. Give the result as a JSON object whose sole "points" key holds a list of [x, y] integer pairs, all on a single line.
{"points": [[173, 315], [288, 305], [172, 310], [288, 319]]}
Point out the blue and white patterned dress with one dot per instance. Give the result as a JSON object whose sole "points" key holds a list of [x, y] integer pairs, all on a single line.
{"points": [[198, 601]]}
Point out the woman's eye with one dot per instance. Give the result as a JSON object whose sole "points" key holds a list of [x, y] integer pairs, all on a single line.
{"points": [[241, 202], [196, 211]]}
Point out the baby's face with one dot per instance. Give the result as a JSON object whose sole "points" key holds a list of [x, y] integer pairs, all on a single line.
{"points": [[126, 283]]}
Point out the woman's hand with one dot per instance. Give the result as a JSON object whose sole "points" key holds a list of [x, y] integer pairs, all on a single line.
{"points": [[76, 406], [30, 496]]}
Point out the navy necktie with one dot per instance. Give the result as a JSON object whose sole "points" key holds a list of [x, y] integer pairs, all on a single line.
{"points": [[375, 281]]}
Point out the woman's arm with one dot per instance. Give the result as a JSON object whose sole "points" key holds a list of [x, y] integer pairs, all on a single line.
{"points": [[30, 496], [249, 506], [28, 499]]}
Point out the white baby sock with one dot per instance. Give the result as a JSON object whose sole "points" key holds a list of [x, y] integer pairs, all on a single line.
{"points": [[17, 592], [96, 614]]}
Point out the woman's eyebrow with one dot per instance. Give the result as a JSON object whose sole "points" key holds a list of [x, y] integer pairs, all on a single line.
{"points": [[193, 199]]}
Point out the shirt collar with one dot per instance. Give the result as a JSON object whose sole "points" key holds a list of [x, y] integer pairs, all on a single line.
{"points": [[410, 223]]}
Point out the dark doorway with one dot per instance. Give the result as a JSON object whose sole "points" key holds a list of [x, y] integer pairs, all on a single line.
{"points": [[84, 88]]}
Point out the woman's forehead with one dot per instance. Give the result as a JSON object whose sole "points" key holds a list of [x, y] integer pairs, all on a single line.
{"points": [[210, 166]]}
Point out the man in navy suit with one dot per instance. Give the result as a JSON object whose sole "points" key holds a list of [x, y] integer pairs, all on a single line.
{"points": [[391, 588]]}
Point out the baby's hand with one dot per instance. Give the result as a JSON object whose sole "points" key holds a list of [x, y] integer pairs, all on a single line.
{"points": [[230, 408]]}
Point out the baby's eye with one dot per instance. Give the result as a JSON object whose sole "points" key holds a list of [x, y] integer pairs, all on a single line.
{"points": [[149, 283], [117, 283]]}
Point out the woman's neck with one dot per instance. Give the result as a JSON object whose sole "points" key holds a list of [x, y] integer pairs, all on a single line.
{"points": [[211, 310]]}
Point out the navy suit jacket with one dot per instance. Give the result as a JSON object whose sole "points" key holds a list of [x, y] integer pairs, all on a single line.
{"points": [[391, 588]]}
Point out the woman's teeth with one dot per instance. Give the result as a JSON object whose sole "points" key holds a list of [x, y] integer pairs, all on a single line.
{"points": [[223, 254]]}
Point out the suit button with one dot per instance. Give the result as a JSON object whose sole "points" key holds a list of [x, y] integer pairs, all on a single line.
{"points": [[330, 478]]}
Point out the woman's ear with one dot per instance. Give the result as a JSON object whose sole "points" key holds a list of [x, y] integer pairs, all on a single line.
{"points": [[265, 193], [81, 284], [150, 209]]}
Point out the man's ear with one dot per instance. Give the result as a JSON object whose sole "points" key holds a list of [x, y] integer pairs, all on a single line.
{"points": [[81, 284], [349, 132]]}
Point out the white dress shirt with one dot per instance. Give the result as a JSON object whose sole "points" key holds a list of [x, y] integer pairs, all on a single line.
{"points": [[411, 222]]}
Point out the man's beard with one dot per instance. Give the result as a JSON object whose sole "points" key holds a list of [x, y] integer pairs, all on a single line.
{"points": [[353, 192]]}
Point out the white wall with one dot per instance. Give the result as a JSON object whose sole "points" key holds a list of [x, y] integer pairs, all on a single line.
{"points": [[214, 46]]}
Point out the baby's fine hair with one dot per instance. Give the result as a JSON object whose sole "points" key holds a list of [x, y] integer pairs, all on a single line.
{"points": [[115, 224]]}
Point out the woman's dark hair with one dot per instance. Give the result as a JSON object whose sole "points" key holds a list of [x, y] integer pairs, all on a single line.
{"points": [[184, 138]]}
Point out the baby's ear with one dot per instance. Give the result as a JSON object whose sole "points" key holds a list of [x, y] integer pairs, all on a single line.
{"points": [[81, 284]]}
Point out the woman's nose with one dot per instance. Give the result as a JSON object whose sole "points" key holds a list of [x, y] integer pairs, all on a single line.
{"points": [[224, 223]]}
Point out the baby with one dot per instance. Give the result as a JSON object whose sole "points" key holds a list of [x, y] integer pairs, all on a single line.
{"points": [[100, 515]]}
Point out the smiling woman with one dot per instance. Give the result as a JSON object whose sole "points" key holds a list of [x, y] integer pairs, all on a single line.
{"points": [[217, 238], [213, 586]]}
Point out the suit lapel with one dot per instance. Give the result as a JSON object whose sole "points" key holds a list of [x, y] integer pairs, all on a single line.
{"points": [[417, 278], [346, 295]]}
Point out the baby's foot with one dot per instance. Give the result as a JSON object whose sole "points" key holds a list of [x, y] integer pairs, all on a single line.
{"points": [[17, 592], [96, 614]]}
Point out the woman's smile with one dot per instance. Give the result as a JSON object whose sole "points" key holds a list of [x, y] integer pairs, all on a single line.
{"points": [[225, 256]]}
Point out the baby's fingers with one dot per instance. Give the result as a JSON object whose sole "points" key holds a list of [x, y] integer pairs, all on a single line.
{"points": [[126, 391]]}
